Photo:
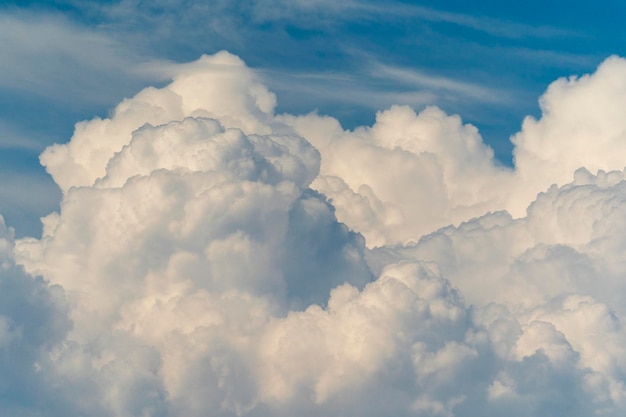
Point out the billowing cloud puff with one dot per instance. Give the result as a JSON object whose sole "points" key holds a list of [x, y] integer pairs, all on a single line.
{"points": [[557, 275], [218, 86], [582, 125], [213, 258], [195, 225], [439, 172]]}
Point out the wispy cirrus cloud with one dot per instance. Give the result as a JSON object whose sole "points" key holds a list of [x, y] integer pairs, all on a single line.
{"points": [[363, 9], [413, 78], [486, 24], [13, 137], [53, 57], [378, 86]]}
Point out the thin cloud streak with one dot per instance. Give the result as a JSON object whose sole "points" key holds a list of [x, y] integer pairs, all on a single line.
{"points": [[379, 86], [414, 77], [54, 58], [13, 138], [357, 10], [323, 13], [491, 26]]}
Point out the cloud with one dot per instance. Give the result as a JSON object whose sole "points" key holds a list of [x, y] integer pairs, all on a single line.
{"points": [[491, 26], [33, 322], [212, 257], [552, 274], [579, 126], [12, 137], [84, 159], [436, 159], [52, 58], [324, 11], [423, 81], [317, 12], [232, 239]]}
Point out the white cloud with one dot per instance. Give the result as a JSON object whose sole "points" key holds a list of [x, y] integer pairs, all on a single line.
{"points": [[442, 172], [223, 89], [205, 225], [557, 272], [581, 126], [205, 273], [435, 158]]}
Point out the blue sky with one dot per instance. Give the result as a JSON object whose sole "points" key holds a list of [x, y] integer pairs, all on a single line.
{"points": [[68, 60]]}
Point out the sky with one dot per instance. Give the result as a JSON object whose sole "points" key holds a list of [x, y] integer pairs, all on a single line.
{"points": [[304, 208], [70, 60]]}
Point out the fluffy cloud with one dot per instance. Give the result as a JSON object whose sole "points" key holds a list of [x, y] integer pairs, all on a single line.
{"points": [[191, 222], [442, 172], [213, 258], [219, 86], [581, 125], [549, 283]]}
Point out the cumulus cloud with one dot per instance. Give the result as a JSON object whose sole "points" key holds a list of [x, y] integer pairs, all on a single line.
{"points": [[556, 273], [438, 159], [219, 86], [442, 172], [211, 257], [581, 126]]}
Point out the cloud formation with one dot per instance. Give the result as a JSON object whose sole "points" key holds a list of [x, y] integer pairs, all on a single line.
{"points": [[211, 257]]}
